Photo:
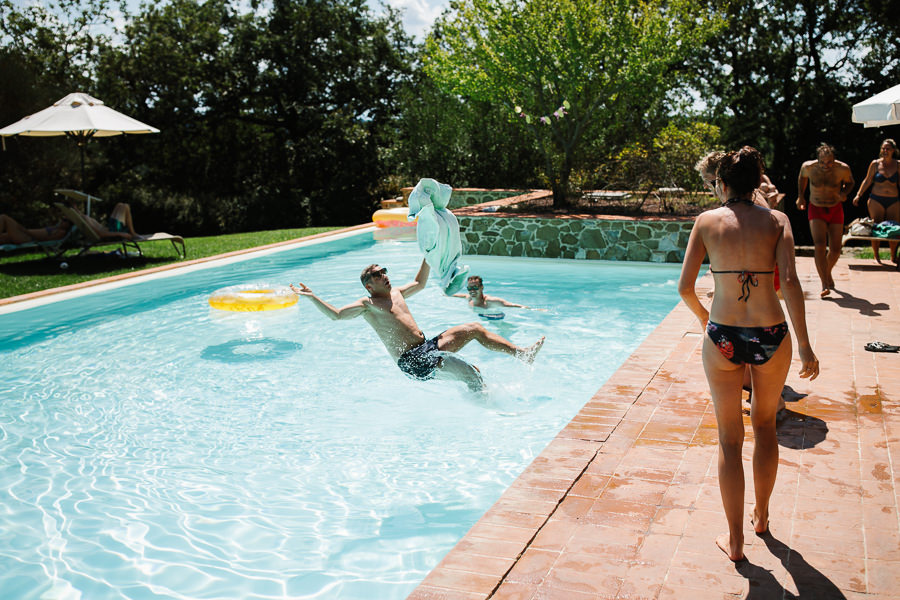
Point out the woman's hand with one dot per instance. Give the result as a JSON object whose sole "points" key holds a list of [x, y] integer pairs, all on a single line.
{"points": [[809, 364]]}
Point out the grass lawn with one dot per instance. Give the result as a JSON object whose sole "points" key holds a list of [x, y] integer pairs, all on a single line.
{"points": [[26, 272]]}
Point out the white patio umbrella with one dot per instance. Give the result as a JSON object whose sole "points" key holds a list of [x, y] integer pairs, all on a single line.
{"points": [[879, 110], [77, 116]]}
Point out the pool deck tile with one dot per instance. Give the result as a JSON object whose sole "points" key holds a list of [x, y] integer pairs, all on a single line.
{"points": [[624, 502]]}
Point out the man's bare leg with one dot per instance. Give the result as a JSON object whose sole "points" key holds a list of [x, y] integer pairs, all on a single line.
{"points": [[455, 338], [456, 369], [819, 230], [122, 213], [835, 231]]}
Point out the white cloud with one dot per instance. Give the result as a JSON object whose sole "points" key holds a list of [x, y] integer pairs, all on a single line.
{"points": [[419, 15]]}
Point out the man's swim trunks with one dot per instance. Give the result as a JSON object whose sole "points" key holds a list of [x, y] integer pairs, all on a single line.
{"points": [[116, 226], [830, 214], [754, 345], [421, 361]]}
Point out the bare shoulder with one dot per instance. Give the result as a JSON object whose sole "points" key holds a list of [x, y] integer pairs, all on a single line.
{"points": [[806, 165], [780, 217]]}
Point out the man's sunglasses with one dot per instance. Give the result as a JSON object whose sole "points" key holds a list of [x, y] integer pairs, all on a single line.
{"points": [[379, 273], [473, 288]]}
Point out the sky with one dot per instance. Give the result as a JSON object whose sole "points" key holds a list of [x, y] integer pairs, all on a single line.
{"points": [[418, 15]]}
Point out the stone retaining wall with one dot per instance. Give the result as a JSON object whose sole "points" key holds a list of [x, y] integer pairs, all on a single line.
{"points": [[580, 238], [469, 196]]}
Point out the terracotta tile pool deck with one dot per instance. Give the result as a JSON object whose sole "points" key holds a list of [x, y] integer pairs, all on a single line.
{"points": [[624, 502]]}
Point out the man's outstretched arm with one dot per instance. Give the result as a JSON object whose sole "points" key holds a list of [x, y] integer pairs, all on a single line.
{"points": [[350, 311], [417, 284]]}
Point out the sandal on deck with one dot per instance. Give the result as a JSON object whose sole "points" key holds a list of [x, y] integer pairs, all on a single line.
{"points": [[881, 347]]}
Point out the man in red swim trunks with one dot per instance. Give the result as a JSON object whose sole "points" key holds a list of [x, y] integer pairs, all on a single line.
{"points": [[829, 181]]}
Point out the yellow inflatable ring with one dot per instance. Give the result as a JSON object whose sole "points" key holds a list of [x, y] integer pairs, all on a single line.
{"points": [[249, 298], [392, 217]]}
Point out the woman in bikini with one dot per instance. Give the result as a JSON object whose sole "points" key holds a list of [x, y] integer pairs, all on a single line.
{"points": [[884, 201], [746, 325], [13, 232]]}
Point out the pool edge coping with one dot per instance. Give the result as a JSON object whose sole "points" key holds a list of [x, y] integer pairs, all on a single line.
{"points": [[544, 489], [7, 303]]}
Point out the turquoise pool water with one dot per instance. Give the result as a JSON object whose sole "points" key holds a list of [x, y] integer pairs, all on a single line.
{"points": [[152, 447]]}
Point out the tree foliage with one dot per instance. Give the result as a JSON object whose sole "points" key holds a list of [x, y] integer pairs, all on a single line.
{"points": [[468, 142], [568, 69], [47, 50], [785, 74], [270, 118]]}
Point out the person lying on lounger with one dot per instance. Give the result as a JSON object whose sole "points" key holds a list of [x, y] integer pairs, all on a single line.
{"points": [[119, 223], [13, 232], [421, 358]]}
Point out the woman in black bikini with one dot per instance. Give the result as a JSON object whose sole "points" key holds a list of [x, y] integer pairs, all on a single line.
{"points": [[884, 201], [13, 232], [746, 326]]}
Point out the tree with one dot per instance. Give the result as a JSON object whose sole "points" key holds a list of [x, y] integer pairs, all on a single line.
{"points": [[461, 141], [47, 50], [568, 69], [267, 120], [784, 76]]}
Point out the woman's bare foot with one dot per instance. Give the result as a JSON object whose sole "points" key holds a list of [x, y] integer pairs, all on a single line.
{"points": [[531, 351], [734, 552], [824, 292], [755, 520]]}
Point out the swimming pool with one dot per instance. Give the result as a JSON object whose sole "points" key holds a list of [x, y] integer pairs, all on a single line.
{"points": [[152, 447]]}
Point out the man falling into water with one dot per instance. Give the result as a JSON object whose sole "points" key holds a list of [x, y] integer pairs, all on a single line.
{"points": [[385, 310]]}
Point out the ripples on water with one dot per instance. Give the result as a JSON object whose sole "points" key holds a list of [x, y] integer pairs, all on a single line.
{"points": [[162, 449]]}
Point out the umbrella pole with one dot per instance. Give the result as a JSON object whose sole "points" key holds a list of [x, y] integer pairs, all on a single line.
{"points": [[88, 209]]}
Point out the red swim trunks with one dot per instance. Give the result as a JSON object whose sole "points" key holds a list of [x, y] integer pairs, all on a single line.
{"points": [[830, 214]]}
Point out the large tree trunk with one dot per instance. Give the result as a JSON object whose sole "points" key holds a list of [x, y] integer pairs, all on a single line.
{"points": [[560, 183]]}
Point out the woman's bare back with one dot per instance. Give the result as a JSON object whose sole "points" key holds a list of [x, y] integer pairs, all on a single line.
{"points": [[741, 240]]}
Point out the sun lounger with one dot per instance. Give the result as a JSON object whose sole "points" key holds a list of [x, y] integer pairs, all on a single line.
{"points": [[598, 195], [871, 238], [80, 196], [52, 248], [91, 239]]}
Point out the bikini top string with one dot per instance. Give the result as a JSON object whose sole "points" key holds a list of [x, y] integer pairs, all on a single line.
{"points": [[747, 278]]}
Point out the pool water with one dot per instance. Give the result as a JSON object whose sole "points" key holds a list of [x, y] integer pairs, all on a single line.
{"points": [[153, 447]]}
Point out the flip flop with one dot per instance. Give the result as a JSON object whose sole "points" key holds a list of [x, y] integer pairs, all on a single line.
{"points": [[881, 347]]}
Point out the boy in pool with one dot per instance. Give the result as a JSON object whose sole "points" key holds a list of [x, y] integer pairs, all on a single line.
{"points": [[480, 302], [385, 310]]}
